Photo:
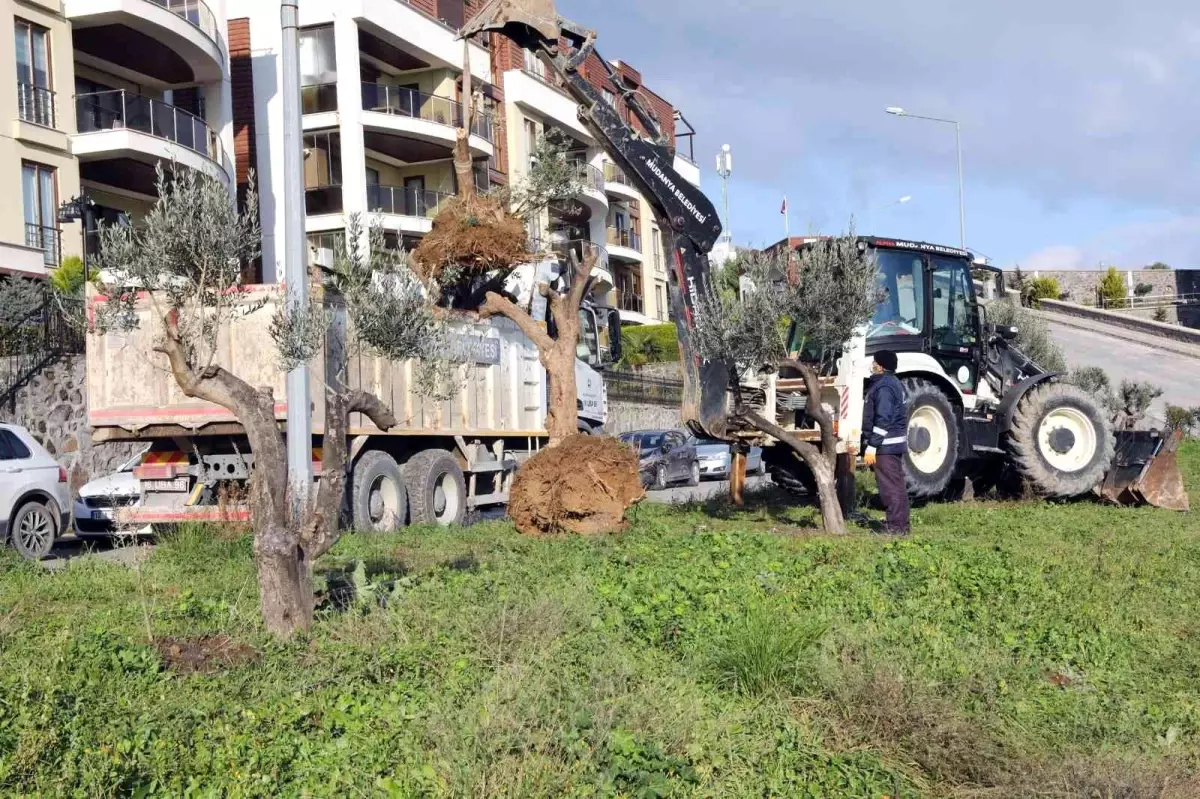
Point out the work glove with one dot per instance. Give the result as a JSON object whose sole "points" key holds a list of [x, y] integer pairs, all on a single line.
{"points": [[869, 456]]}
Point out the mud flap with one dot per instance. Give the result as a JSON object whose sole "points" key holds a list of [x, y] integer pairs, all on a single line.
{"points": [[1145, 471]]}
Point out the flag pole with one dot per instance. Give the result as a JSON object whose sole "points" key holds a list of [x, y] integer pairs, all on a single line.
{"points": [[787, 233]]}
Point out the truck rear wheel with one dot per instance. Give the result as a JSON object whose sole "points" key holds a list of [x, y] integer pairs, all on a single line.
{"points": [[789, 472], [932, 439], [378, 500], [437, 489], [1061, 441]]}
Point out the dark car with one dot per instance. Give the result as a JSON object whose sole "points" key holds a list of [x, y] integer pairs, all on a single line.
{"points": [[667, 456]]}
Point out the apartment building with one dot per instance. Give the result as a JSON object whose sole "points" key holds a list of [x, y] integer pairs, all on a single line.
{"points": [[381, 96], [100, 92], [609, 211]]}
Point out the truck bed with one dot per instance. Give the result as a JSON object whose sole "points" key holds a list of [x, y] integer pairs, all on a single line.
{"points": [[132, 393]]}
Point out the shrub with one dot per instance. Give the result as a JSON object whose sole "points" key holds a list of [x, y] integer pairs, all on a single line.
{"points": [[1142, 289], [649, 344], [1033, 336], [1044, 288], [70, 278], [1112, 289], [1185, 419], [1160, 314]]}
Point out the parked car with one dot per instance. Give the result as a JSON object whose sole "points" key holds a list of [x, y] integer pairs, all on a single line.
{"points": [[667, 457], [99, 501], [716, 459], [35, 503]]}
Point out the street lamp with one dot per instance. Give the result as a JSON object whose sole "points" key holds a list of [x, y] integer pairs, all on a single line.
{"points": [[896, 111], [724, 170], [898, 201]]}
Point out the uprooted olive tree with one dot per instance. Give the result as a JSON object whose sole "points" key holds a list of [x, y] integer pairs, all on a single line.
{"points": [[827, 291], [186, 264]]}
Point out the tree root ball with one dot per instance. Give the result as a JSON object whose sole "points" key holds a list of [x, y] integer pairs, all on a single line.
{"points": [[585, 486], [475, 234]]}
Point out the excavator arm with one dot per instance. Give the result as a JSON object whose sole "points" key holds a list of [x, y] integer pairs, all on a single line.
{"points": [[679, 207]]}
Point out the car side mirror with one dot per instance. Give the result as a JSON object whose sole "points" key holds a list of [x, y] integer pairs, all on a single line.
{"points": [[666, 447]]}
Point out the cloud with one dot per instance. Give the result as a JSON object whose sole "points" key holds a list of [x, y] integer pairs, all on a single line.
{"points": [[1174, 240], [1061, 101]]}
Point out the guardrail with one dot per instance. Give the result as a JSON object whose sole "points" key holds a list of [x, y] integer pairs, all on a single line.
{"points": [[123, 110], [1151, 301], [633, 387], [399, 101], [624, 237], [1115, 319], [47, 239], [196, 12], [32, 342], [318, 98], [404, 201], [36, 104], [591, 176]]}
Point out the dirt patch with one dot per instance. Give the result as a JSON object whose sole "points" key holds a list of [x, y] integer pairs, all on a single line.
{"points": [[207, 654], [585, 485], [474, 235]]}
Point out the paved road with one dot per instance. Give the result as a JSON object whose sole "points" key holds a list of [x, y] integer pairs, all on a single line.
{"points": [[1177, 374], [705, 490]]}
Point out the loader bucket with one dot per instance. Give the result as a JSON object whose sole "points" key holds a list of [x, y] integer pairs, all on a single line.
{"points": [[1145, 471], [527, 22]]}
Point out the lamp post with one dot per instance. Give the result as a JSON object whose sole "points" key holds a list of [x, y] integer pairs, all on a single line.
{"points": [[898, 201], [962, 208], [724, 170]]}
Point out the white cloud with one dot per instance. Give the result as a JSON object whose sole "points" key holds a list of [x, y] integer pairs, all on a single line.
{"points": [[1175, 241]]}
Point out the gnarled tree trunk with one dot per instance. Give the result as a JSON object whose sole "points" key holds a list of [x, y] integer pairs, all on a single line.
{"points": [[821, 466], [463, 165]]}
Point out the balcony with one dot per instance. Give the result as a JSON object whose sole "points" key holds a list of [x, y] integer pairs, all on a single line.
{"points": [[46, 239], [425, 119], [625, 244], [414, 208], [36, 104], [616, 182], [172, 41], [123, 125], [592, 180], [319, 98], [322, 200]]}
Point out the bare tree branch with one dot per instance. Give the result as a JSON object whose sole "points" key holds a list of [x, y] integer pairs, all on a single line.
{"points": [[495, 305]]}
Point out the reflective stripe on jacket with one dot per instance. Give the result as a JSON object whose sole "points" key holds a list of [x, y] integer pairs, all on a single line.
{"points": [[885, 416]]}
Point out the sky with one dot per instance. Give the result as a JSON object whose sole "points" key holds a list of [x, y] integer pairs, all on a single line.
{"points": [[1080, 121]]}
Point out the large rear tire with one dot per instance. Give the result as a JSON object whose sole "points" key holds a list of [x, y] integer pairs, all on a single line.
{"points": [[378, 499], [1061, 440], [791, 473], [437, 488], [933, 442]]}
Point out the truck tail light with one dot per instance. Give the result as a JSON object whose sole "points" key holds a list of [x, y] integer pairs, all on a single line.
{"points": [[62, 474]]}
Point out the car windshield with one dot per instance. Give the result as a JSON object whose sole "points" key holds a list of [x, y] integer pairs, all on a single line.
{"points": [[644, 441], [709, 442], [902, 310]]}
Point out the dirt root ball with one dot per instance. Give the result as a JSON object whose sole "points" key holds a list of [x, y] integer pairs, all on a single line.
{"points": [[585, 485]]}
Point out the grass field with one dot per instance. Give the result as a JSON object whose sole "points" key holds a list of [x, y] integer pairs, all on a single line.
{"points": [[1002, 650]]}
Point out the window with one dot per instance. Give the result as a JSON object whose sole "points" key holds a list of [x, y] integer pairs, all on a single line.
{"points": [[40, 199], [587, 349], [35, 100], [318, 63], [953, 305], [662, 306], [610, 98], [531, 137], [12, 448], [656, 249], [902, 311], [322, 160]]}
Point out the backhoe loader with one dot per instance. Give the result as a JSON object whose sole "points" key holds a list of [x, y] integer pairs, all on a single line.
{"points": [[974, 398]]}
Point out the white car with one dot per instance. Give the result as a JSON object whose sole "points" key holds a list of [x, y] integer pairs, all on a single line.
{"points": [[35, 501], [100, 500]]}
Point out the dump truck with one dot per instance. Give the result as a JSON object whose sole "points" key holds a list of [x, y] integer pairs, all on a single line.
{"points": [[462, 453]]}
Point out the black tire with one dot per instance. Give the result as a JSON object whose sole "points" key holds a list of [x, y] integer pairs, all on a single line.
{"points": [[378, 497], [660, 477], [1051, 458], [793, 475], [694, 474], [933, 447], [34, 530], [437, 489]]}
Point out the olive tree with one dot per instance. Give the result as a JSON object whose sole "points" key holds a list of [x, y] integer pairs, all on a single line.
{"points": [[828, 292], [188, 262]]}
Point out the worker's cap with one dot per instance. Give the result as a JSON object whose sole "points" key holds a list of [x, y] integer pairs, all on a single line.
{"points": [[887, 359]]}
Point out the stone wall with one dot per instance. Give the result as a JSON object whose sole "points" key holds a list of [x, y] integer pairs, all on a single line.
{"points": [[625, 417], [1081, 284], [53, 407]]}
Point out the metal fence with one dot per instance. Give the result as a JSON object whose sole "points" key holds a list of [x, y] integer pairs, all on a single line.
{"points": [[31, 342], [634, 387], [36, 104]]}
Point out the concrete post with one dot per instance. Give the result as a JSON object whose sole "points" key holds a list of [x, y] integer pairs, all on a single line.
{"points": [[350, 112]]}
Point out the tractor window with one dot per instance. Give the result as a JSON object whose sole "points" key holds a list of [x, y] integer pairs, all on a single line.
{"points": [[587, 349], [953, 306], [902, 310]]}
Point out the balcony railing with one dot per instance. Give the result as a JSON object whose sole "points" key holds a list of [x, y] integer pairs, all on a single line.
{"points": [[318, 98], [624, 237], [404, 201], [629, 298], [36, 104], [46, 239], [194, 11], [614, 174], [399, 101], [122, 110], [322, 200], [591, 176]]}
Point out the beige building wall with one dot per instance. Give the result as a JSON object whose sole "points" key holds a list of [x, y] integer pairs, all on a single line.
{"points": [[23, 141]]}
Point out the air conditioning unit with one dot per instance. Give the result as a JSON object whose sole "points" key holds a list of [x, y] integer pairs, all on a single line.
{"points": [[321, 256]]}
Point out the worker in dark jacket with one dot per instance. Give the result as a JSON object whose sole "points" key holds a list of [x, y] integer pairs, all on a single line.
{"points": [[885, 432]]}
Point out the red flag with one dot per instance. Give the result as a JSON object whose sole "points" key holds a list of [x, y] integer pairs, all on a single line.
{"points": [[783, 210]]}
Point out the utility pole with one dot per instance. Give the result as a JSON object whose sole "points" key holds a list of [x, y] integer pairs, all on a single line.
{"points": [[295, 261], [962, 205], [724, 170]]}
